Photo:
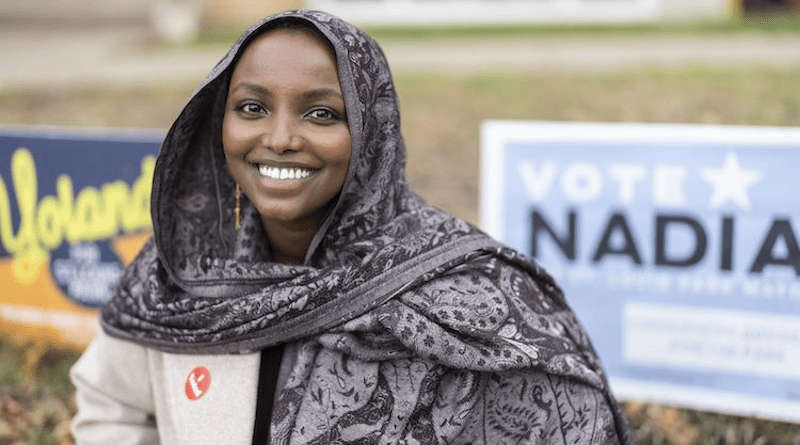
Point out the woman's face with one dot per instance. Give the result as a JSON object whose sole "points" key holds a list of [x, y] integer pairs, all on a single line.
{"points": [[285, 131]]}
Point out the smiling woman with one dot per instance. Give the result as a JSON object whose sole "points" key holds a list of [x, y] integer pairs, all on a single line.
{"points": [[342, 308], [285, 135]]}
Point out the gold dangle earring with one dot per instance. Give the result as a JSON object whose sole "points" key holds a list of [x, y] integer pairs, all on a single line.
{"points": [[237, 209]]}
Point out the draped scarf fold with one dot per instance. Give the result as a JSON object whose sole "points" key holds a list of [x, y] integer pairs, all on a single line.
{"points": [[389, 285]]}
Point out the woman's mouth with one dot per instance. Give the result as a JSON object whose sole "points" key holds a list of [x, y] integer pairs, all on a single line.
{"points": [[283, 172]]}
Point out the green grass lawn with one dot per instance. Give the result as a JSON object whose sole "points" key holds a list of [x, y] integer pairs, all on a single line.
{"points": [[441, 122]]}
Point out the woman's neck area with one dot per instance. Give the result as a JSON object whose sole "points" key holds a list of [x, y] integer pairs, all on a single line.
{"points": [[290, 241]]}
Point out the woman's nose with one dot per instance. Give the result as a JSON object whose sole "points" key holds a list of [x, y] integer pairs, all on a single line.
{"points": [[281, 136]]}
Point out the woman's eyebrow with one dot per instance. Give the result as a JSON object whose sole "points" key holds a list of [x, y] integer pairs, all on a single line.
{"points": [[254, 87], [321, 93], [318, 93]]}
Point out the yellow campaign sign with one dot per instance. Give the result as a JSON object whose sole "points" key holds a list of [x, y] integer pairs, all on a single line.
{"points": [[74, 211]]}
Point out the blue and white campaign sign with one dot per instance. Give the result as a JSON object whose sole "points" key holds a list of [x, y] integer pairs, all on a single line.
{"points": [[677, 246]]}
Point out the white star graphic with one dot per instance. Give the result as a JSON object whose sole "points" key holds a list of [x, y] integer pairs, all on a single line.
{"points": [[730, 182]]}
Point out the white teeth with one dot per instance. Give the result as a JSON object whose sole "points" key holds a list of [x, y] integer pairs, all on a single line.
{"points": [[283, 173]]}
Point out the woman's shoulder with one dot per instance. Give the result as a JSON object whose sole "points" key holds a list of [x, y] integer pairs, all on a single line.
{"points": [[507, 309], [495, 275]]}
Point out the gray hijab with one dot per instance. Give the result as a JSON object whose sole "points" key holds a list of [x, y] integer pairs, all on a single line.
{"points": [[428, 330]]}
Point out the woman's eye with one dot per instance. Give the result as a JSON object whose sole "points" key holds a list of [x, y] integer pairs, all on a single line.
{"points": [[251, 108], [322, 114]]}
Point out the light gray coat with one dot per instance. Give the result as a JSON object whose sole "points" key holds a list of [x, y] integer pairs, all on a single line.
{"points": [[124, 387]]}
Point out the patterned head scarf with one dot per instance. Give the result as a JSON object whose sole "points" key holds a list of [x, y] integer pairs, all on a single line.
{"points": [[379, 236], [388, 283]]}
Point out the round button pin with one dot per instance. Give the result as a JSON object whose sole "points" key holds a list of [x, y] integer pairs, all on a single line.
{"points": [[197, 383]]}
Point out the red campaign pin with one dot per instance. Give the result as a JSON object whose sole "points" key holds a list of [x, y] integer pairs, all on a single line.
{"points": [[197, 383]]}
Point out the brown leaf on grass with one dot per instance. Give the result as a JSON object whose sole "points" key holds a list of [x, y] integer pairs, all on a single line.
{"points": [[63, 434], [677, 429], [11, 407]]}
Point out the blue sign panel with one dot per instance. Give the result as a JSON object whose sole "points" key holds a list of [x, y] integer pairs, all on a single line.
{"points": [[676, 245]]}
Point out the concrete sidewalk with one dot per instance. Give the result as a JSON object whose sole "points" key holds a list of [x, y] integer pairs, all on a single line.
{"points": [[126, 56]]}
